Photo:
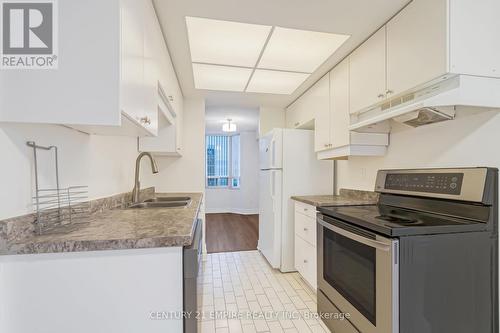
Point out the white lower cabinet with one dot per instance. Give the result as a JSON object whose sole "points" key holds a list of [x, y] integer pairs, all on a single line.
{"points": [[305, 243]]}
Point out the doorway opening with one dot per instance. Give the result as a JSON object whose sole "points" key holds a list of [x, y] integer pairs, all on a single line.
{"points": [[231, 179]]}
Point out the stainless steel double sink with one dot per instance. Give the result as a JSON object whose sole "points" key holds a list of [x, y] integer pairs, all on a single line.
{"points": [[162, 202]]}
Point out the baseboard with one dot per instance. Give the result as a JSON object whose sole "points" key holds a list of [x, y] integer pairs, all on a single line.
{"points": [[232, 210]]}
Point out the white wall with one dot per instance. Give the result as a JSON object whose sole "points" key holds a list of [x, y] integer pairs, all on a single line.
{"points": [[469, 140], [185, 174], [244, 200], [105, 164]]}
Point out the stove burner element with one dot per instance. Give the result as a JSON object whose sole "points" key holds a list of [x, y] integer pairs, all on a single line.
{"points": [[398, 220]]}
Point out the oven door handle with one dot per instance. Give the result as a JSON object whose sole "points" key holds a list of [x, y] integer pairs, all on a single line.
{"points": [[363, 240]]}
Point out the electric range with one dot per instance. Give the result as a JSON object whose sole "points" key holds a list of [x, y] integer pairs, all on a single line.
{"points": [[423, 259]]}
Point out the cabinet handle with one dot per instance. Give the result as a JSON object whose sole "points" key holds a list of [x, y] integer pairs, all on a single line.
{"points": [[327, 145], [145, 120], [306, 209], [305, 229], [388, 92], [170, 98], [296, 124], [381, 96], [305, 261]]}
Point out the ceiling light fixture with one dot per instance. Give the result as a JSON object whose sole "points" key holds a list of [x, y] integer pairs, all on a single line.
{"points": [[228, 126], [275, 82], [225, 42], [215, 77], [299, 50], [243, 57]]}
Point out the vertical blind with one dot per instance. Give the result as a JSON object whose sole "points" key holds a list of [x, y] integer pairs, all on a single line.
{"points": [[222, 161]]}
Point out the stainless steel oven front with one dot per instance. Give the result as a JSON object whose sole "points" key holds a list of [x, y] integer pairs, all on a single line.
{"points": [[358, 273]]}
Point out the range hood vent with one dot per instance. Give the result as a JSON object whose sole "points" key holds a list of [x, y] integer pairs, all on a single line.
{"points": [[397, 101], [425, 116], [434, 102]]}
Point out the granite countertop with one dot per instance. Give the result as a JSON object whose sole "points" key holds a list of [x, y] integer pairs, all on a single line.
{"points": [[346, 197], [112, 229]]}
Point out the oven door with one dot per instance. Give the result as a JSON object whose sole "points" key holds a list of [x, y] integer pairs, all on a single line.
{"points": [[358, 273]]}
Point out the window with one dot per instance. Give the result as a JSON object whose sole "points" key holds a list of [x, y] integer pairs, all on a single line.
{"points": [[223, 161]]}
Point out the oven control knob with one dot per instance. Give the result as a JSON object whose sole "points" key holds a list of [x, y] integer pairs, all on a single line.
{"points": [[453, 185]]}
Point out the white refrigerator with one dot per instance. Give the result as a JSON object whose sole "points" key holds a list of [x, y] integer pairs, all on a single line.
{"points": [[288, 167]]}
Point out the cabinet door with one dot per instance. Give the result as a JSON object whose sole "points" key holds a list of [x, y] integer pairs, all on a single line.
{"points": [[132, 59], [152, 68], [301, 113], [339, 94], [367, 73], [417, 45], [84, 89], [319, 99], [292, 115], [306, 261]]}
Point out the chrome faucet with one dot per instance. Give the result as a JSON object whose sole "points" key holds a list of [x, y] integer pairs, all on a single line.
{"points": [[137, 184]]}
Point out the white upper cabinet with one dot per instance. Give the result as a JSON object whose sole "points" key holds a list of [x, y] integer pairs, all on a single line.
{"points": [[164, 93], [474, 46], [138, 66], [300, 114], [85, 87], [343, 143], [339, 103], [428, 41], [108, 74], [416, 45], [368, 72], [319, 97]]}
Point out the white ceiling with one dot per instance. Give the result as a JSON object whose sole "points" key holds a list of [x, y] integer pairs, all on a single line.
{"points": [[358, 18], [246, 119]]}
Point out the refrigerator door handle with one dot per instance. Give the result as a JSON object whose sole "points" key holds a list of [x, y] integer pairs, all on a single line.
{"points": [[273, 188], [273, 184], [273, 153]]}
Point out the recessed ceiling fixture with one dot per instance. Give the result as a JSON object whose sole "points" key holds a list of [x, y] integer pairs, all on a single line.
{"points": [[244, 57], [299, 50], [229, 126], [225, 42], [275, 82], [215, 77]]}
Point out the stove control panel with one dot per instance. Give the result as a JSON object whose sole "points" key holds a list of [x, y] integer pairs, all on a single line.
{"points": [[442, 183], [463, 184]]}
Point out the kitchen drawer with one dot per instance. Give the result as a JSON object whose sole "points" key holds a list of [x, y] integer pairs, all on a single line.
{"points": [[305, 261], [305, 209], [305, 227], [335, 325]]}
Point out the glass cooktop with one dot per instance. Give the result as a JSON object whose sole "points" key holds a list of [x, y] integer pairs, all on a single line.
{"points": [[393, 221]]}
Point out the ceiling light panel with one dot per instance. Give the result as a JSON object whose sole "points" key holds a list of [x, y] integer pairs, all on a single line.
{"points": [[225, 42], [299, 50], [275, 82], [214, 77]]}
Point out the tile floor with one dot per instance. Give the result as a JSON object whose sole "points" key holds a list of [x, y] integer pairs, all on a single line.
{"points": [[240, 292]]}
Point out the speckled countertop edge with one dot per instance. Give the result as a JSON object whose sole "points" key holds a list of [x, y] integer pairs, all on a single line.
{"points": [[346, 197], [110, 229]]}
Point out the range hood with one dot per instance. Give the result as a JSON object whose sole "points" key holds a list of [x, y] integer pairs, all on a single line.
{"points": [[431, 103]]}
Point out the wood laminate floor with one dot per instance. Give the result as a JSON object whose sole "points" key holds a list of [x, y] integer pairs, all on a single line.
{"points": [[231, 232]]}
